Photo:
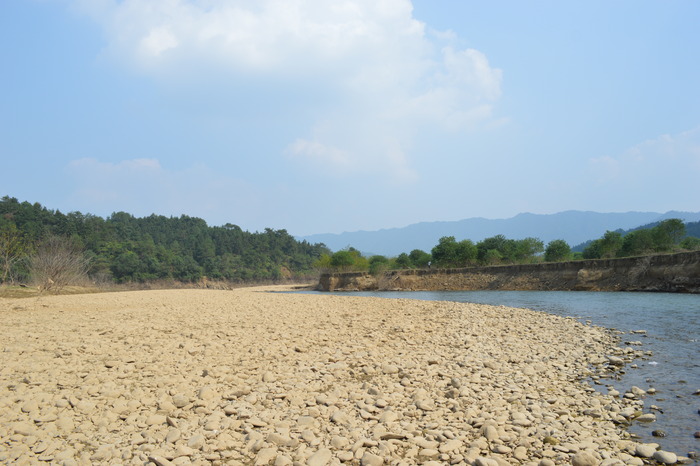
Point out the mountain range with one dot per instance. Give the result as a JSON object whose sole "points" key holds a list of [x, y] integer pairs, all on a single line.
{"points": [[572, 226]]}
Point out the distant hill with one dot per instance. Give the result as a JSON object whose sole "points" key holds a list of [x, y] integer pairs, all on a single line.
{"points": [[575, 227]]}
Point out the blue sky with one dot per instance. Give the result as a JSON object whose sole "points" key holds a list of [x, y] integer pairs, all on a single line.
{"points": [[327, 116]]}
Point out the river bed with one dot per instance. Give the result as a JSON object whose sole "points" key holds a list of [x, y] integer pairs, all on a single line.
{"points": [[672, 332]]}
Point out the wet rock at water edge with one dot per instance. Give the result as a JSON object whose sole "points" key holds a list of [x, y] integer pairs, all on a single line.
{"points": [[665, 457]]}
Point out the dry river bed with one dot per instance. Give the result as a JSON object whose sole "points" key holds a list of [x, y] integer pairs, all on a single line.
{"points": [[255, 378]]}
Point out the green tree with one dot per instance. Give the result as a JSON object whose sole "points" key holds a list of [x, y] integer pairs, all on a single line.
{"points": [[610, 244], [445, 252], [528, 249], [465, 253], [403, 261], [378, 264], [667, 234], [691, 243], [592, 251], [497, 243], [637, 243], [492, 257], [419, 258], [557, 250]]}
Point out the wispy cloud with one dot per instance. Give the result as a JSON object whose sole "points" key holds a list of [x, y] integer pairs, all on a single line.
{"points": [[383, 77], [144, 186], [668, 165], [675, 156]]}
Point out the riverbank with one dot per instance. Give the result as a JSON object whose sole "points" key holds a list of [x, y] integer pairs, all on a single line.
{"points": [[246, 377], [674, 273]]}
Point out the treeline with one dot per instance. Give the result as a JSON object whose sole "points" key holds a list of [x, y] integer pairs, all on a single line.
{"points": [[667, 236], [123, 248]]}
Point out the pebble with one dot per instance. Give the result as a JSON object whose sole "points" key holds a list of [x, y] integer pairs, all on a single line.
{"points": [[645, 450], [370, 459], [320, 458], [584, 458], [376, 382], [665, 457]]}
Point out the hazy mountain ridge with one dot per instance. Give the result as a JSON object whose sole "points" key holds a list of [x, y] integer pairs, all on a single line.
{"points": [[575, 227]]}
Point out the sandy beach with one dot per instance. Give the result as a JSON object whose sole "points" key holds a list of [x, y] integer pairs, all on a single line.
{"points": [[252, 377]]}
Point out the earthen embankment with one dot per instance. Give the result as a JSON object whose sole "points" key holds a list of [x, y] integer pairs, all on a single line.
{"points": [[678, 273]]}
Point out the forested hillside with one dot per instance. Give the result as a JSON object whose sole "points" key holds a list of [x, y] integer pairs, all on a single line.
{"points": [[123, 248]]}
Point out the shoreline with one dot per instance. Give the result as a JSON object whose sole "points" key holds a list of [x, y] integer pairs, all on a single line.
{"points": [[247, 377]]}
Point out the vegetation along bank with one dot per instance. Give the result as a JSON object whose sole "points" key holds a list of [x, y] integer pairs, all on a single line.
{"points": [[664, 272]]}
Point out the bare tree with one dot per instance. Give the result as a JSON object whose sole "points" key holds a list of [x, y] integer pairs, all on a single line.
{"points": [[12, 249], [58, 262]]}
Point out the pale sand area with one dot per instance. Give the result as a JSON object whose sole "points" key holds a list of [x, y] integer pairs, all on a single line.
{"points": [[249, 377]]}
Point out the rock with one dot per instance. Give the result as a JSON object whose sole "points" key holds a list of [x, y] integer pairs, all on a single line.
{"points": [[520, 453], [481, 461], [160, 461], [206, 393], [665, 457], [23, 428], [173, 435], [339, 443], [196, 441], [615, 361], [320, 458], [392, 436], [280, 440], [428, 453], [283, 460], [658, 433], [340, 417], [645, 450], [370, 459], [346, 456], [450, 445], [265, 456], [584, 458], [103, 453], [425, 404], [155, 419], [180, 401], [648, 417], [490, 432]]}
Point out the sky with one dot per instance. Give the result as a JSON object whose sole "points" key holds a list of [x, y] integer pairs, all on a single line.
{"points": [[325, 116]]}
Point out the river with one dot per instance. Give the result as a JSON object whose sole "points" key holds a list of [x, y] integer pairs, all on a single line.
{"points": [[672, 325]]}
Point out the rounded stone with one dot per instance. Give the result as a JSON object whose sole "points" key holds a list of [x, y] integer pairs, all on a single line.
{"points": [[584, 458], [644, 450], [665, 457]]}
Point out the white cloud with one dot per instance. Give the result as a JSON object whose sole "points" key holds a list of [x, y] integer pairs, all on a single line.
{"points": [[386, 79], [318, 153], [143, 186], [668, 165]]}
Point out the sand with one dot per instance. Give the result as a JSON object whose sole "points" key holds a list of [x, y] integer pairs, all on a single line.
{"points": [[252, 377]]}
